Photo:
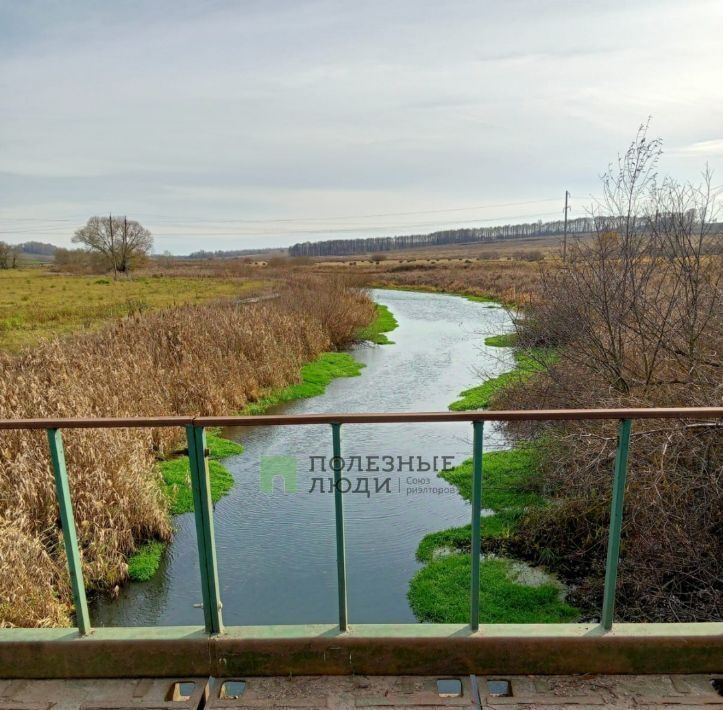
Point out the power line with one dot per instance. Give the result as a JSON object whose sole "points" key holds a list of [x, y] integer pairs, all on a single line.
{"points": [[198, 229], [341, 218], [363, 216], [362, 228]]}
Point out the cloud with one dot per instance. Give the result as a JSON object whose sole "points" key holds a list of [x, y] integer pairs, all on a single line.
{"points": [[705, 149], [225, 110]]}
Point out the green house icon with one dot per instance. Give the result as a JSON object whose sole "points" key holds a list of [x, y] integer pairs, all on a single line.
{"points": [[272, 467]]}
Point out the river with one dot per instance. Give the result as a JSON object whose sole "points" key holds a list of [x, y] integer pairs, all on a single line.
{"points": [[276, 553]]}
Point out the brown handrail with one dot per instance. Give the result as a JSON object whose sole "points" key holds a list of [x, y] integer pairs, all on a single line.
{"points": [[95, 423], [368, 418]]}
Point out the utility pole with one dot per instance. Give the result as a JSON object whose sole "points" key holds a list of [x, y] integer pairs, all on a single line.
{"points": [[564, 237], [112, 246], [124, 246]]}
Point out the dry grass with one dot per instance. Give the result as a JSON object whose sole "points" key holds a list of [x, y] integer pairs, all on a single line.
{"points": [[204, 359], [506, 270], [509, 281]]}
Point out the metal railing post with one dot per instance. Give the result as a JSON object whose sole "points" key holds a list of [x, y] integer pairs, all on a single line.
{"points": [[616, 521], [478, 432], [67, 521], [203, 512], [336, 464]]}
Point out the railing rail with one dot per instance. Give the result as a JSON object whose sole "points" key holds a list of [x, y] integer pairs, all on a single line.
{"points": [[203, 508], [502, 415]]}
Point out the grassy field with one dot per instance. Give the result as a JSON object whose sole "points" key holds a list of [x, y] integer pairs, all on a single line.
{"points": [[36, 303]]}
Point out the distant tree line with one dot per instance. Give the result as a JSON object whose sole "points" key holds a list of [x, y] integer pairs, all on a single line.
{"points": [[343, 247], [10, 253], [225, 254], [40, 248]]}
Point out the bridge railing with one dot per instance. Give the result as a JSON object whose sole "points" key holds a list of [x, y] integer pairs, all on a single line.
{"points": [[195, 428]]}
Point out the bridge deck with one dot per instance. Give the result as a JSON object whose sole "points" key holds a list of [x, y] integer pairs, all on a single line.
{"points": [[342, 693]]}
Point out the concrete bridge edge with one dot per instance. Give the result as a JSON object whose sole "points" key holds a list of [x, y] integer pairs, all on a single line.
{"points": [[226, 656]]}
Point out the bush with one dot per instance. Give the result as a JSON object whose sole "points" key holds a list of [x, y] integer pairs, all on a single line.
{"points": [[637, 319]]}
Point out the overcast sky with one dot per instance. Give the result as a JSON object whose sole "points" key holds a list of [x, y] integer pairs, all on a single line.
{"points": [[237, 124]]}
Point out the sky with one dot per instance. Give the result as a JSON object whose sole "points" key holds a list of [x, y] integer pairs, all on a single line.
{"points": [[257, 123]]}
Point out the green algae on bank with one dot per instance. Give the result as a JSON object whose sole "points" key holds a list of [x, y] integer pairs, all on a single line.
{"points": [[144, 562], [528, 362], [176, 474], [510, 591], [383, 323], [439, 593], [504, 340], [510, 486], [176, 486], [315, 376]]}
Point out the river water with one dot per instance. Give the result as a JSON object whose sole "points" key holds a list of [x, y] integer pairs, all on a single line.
{"points": [[276, 553]]}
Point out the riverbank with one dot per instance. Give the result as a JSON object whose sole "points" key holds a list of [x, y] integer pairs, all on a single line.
{"points": [[376, 331], [510, 590], [528, 362], [175, 482], [210, 358], [314, 377]]}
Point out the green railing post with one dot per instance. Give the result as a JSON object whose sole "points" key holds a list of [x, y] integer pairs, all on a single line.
{"points": [[67, 521], [616, 521], [478, 432], [336, 464], [203, 511]]}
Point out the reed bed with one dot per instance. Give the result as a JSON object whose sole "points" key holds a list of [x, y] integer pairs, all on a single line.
{"points": [[515, 282], [206, 359]]}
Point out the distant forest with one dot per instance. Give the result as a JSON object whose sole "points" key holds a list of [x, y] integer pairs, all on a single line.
{"points": [[343, 247], [40, 248], [222, 254]]}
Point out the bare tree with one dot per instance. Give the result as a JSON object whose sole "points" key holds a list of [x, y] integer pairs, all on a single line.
{"points": [[8, 256], [117, 239], [135, 241], [637, 297], [636, 318]]}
